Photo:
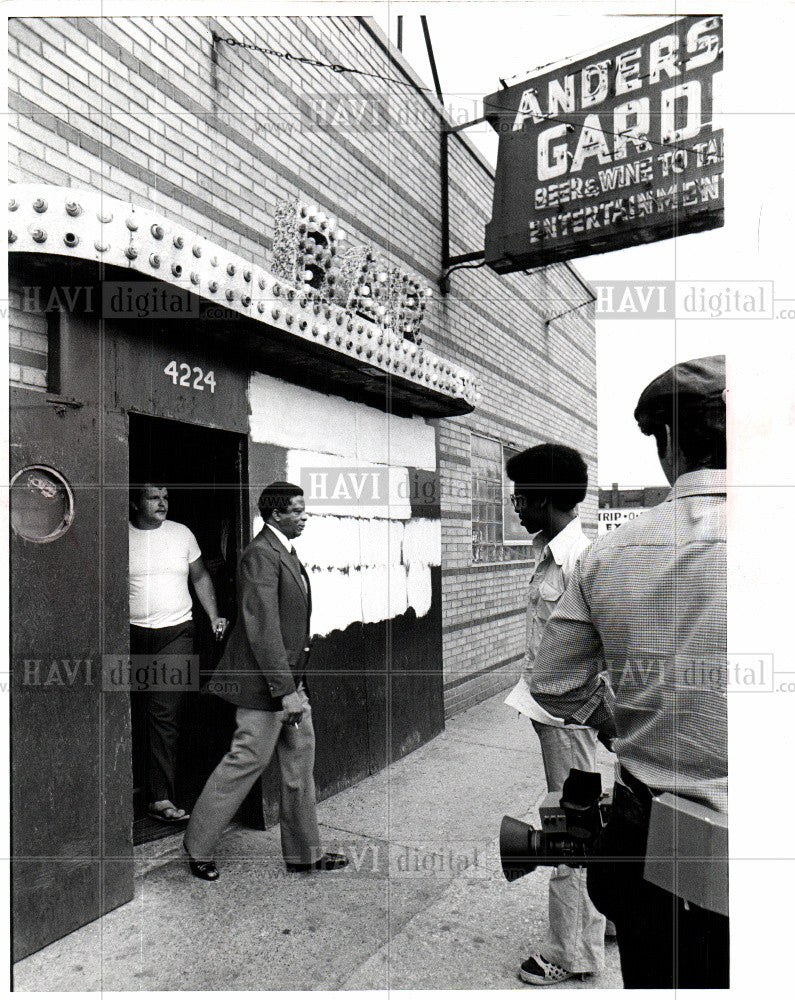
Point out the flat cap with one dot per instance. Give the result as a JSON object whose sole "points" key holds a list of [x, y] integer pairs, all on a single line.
{"points": [[689, 382]]}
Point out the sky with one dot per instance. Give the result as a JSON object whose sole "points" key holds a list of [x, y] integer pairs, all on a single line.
{"points": [[477, 43]]}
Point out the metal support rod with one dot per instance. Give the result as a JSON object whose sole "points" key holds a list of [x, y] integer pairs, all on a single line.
{"points": [[444, 160], [463, 125], [446, 130], [431, 57], [466, 258], [444, 148], [573, 309], [400, 32]]}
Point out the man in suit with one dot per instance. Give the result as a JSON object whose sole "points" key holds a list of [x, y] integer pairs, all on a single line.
{"points": [[262, 672]]}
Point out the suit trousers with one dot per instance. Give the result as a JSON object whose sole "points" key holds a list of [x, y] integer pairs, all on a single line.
{"points": [[258, 736], [575, 937]]}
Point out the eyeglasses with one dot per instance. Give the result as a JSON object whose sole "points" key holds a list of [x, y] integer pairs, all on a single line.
{"points": [[517, 501]]}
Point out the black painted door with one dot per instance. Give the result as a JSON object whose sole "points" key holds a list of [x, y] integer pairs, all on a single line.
{"points": [[70, 740]]}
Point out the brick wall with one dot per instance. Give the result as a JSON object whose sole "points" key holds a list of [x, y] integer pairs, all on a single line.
{"points": [[155, 111], [27, 339]]}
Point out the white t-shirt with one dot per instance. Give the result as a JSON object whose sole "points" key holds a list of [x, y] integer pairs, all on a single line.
{"points": [[159, 559]]}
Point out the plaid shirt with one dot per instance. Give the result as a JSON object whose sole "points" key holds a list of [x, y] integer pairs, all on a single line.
{"points": [[647, 602]]}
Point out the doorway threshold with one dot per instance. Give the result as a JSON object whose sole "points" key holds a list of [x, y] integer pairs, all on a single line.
{"points": [[155, 853], [146, 830]]}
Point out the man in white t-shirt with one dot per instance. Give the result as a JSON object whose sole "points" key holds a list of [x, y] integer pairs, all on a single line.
{"points": [[164, 555]]}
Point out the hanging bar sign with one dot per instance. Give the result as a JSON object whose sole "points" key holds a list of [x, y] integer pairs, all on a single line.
{"points": [[620, 148]]}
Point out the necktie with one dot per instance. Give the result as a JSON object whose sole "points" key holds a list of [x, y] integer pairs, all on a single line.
{"points": [[300, 566]]}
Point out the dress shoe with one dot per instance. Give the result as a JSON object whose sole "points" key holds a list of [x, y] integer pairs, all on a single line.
{"points": [[202, 869], [328, 863]]}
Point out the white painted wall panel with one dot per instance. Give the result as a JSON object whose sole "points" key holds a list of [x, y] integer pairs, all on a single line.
{"points": [[422, 542], [374, 581], [334, 484], [367, 570], [395, 541], [418, 588], [397, 598], [336, 600], [375, 550], [371, 594], [294, 417], [348, 542], [329, 542]]}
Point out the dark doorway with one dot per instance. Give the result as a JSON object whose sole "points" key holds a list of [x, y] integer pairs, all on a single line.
{"points": [[203, 471]]}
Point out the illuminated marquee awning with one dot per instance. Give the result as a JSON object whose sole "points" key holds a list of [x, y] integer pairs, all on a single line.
{"points": [[309, 340], [620, 148]]}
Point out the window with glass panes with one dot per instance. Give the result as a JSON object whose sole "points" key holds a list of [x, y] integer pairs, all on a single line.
{"points": [[489, 494], [486, 498]]}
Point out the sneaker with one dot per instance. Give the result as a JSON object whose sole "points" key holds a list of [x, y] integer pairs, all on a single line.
{"points": [[538, 972]]}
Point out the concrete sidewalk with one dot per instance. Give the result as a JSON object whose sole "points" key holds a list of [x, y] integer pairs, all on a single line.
{"points": [[423, 905]]}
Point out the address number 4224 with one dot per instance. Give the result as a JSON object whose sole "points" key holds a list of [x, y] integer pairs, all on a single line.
{"points": [[191, 378]]}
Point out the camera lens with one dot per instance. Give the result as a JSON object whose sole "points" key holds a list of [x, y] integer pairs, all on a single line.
{"points": [[523, 849], [554, 849]]}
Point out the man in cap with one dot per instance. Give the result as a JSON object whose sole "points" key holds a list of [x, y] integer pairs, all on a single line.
{"points": [[648, 602]]}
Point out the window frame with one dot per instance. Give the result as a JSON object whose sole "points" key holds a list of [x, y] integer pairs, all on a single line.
{"points": [[497, 552]]}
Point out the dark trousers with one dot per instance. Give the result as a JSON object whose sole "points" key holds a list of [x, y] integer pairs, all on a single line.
{"points": [[161, 708], [663, 942]]}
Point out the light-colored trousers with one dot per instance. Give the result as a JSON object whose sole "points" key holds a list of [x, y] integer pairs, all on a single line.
{"points": [[258, 735], [575, 936]]}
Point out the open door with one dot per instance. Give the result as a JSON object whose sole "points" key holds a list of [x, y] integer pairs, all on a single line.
{"points": [[202, 469]]}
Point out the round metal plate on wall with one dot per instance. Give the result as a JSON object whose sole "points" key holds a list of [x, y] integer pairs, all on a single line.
{"points": [[42, 505]]}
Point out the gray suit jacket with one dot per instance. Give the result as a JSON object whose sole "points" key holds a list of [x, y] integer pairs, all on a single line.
{"points": [[262, 660]]}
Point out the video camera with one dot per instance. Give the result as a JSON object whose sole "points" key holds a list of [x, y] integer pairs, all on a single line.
{"points": [[571, 822], [687, 847]]}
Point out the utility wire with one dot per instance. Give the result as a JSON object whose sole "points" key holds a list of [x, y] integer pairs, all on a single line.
{"points": [[310, 61], [339, 68]]}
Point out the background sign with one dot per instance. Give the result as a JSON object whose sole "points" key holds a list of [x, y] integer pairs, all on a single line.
{"points": [[611, 150], [610, 518]]}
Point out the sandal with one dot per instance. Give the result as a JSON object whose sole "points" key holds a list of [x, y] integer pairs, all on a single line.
{"points": [[168, 813]]}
